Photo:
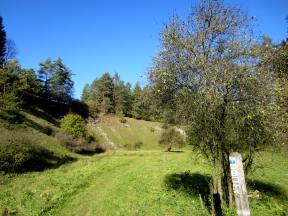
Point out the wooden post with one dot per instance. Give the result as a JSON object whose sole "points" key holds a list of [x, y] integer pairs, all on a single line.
{"points": [[239, 185]]}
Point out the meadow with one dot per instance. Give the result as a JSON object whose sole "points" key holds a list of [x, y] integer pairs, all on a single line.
{"points": [[149, 181]]}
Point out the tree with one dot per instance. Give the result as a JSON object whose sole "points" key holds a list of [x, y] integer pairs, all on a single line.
{"points": [[2, 42], [171, 138], [122, 96], [56, 78], [137, 102], [208, 71], [74, 125], [9, 95], [85, 93], [44, 74], [275, 60], [14, 83], [100, 94], [61, 82], [11, 50]]}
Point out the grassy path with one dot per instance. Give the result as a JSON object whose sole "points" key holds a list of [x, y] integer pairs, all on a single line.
{"points": [[134, 189]]}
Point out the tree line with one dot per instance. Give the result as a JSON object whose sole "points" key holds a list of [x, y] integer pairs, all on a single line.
{"points": [[111, 95]]}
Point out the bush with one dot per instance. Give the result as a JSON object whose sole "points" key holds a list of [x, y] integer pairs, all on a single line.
{"points": [[123, 120], [14, 152], [74, 125], [128, 146], [165, 126], [136, 146], [171, 138], [88, 145]]}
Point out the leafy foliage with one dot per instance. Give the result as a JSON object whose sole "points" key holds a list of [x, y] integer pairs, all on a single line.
{"points": [[74, 125], [171, 138], [208, 75], [83, 145]]}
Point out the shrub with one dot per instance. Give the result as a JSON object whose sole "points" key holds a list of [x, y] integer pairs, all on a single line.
{"points": [[165, 126], [128, 146], [74, 125], [88, 145], [138, 145], [14, 152], [171, 138], [123, 120]]}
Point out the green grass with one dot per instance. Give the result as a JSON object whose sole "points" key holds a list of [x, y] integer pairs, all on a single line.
{"points": [[127, 183], [120, 182], [111, 184], [131, 132]]}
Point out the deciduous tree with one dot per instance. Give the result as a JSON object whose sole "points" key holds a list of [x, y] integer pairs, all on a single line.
{"points": [[207, 70]]}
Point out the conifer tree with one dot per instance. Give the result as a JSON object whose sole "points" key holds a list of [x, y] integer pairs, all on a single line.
{"points": [[2, 42]]}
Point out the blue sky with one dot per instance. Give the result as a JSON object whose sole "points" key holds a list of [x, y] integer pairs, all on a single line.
{"points": [[99, 36]]}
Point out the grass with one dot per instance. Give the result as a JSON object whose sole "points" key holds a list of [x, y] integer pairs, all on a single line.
{"points": [[129, 183], [110, 184], [131, 132], [120, 182]]}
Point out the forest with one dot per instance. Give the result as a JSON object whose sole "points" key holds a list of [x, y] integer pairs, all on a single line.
{"points": [[213, 88]]}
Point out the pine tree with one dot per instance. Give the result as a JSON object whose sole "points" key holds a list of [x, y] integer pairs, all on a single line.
{"points": [[2, 42], [122, 95], [56, 78]]}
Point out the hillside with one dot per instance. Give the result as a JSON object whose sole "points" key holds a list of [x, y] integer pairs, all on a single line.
{"points": [[117, 134], [32, 145]]}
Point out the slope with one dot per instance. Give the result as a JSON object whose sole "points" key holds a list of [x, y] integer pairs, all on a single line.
{"points": [[119, 133]]}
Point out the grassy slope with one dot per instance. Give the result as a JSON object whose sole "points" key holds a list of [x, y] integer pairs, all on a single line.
{"points": [[128, 182], [37, 127], [36, 130], [130, 132]]}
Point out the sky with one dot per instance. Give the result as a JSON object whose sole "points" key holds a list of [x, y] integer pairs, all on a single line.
{"points": [[97, 36]]}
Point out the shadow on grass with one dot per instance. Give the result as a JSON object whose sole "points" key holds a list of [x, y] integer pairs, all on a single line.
{"points": [[194, 184], [90, 152], [198, 185], [41, 159], [175, 151], [41, 114], [46, 130], [267, 189]]}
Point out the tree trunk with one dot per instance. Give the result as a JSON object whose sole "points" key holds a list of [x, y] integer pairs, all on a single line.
{"points": [[222, 178], [222, 191], [217, 189]]}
